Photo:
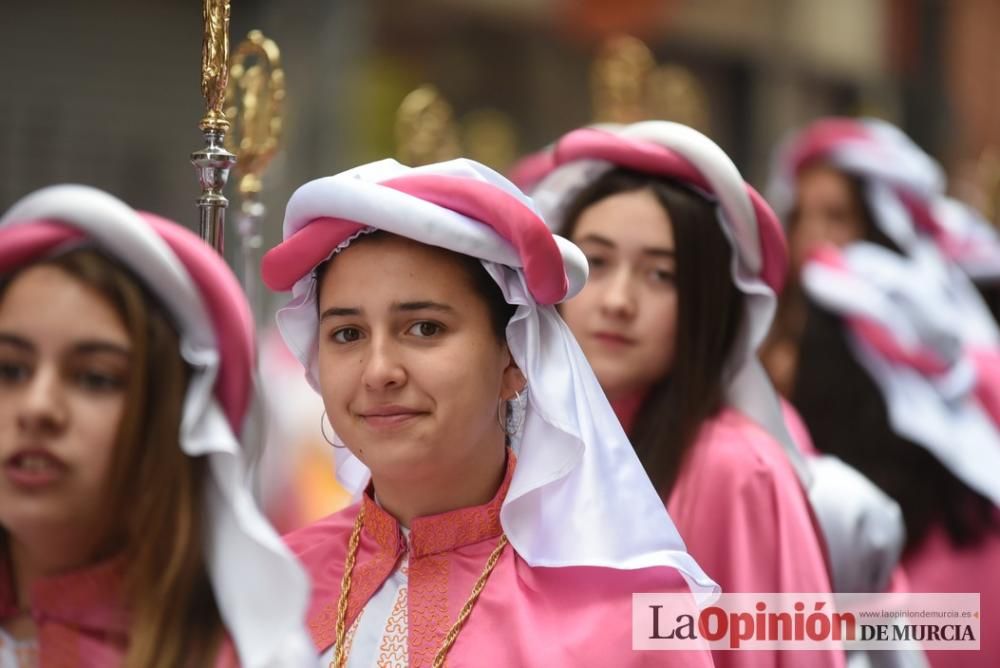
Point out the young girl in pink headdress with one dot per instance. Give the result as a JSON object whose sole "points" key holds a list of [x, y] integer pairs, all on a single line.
{"points": [[685, 262], [127, 533], [841, 180], [887, 383], [504, 519]]}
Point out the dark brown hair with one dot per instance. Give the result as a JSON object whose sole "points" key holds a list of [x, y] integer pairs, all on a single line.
{"points": [[155, 503], [709, 313], [846, 414], [789, 318]]}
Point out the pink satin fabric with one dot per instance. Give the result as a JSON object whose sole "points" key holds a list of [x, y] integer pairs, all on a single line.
{"points": [[545, 617], [745, 518], [939, 566], [80, 618]]}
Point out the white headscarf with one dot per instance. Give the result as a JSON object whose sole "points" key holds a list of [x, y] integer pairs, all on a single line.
{"points": [[579, 496], [940, 392]]}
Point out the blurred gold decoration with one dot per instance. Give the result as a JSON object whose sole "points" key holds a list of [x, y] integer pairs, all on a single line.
{"points": [[490, 137], [212, 162], [627, 86], [988, 168], [214, 66], [618, 80], [673, 93], [254, 101], [426, 130]]}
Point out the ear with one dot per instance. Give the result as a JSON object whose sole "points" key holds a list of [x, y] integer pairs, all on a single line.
{"points": [[513, 381]]}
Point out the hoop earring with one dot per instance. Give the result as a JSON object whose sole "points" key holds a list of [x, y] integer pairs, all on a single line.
{"points": [[500, 420], [322, 430]]}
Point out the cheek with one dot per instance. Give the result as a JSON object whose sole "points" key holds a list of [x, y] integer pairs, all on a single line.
{"points": [[469, 382], [576, 310], [660, 317], [843, 231], [98, 433], [659, 331], [337, 379]]}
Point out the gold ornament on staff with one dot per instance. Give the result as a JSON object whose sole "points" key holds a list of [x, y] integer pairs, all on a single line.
{"points": [[618, 80], [426, 130], [628, 86], [213, 161], [988, 168], [254, 101]]}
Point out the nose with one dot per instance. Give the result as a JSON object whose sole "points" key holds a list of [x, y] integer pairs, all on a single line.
{"points": [[383, 367], [618, 299], [43, 409]]}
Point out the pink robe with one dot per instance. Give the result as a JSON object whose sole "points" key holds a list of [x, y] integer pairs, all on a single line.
{"points": [[745, 518], [544, 617], [80, 620], [939, 566]]}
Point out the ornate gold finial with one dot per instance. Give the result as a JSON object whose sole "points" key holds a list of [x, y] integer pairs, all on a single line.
{"points": [[988, 168], [426, 131], [618, 80], [254, 101], [214, 62], [490, 137], [673, 93], [212, 162]]}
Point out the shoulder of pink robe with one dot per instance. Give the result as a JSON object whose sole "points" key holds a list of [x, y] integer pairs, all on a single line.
{"points": [[79, 616], [321, 547], [937, 565], [745, 518]]}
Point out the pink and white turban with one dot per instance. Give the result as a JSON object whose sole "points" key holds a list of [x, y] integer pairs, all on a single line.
{"points": [[760, 255], [904, 190], [579, 496], [941, 392], [261, 591]]}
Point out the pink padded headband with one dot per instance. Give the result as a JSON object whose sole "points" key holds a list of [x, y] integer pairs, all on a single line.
{"points": [[32, 241], [651, 158], [544, 271]]}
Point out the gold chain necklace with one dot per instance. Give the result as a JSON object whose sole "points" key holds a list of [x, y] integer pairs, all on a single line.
{"points": [[340, 658]]}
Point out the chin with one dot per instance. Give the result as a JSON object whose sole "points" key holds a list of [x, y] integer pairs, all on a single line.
{"points": [[399, 458]]}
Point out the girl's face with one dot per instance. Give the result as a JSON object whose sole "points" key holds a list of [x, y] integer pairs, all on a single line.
{"points": [[64, 363], [826, 211], [411, 372], [625, 318]]}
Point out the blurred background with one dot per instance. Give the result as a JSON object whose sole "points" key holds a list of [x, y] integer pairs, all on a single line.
{"points": [[107, 93]]}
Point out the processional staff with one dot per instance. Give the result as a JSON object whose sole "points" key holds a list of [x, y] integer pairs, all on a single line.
{"points": [[213, 161], [254, 101]]}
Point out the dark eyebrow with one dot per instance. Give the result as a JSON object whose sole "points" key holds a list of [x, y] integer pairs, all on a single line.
{"points": [[597, 239], [96, 347], [82, 348], [16, 341], [336, 311], [422, 306], [604, 241]]}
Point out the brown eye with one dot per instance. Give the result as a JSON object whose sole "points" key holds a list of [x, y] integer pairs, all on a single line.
{"points": [[98, 382], [425, 328], [13, 372], [662, 276], [346, 335]]}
